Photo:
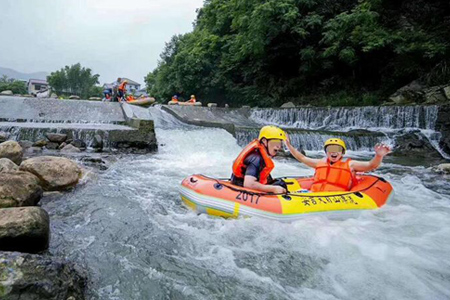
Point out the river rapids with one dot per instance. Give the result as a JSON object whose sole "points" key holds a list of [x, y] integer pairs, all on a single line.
{"points": [[129, 229]]}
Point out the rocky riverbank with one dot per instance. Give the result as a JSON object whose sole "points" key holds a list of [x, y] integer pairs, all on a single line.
{"points": [[25, 227]]}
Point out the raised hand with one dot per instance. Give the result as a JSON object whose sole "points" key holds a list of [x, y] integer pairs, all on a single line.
{"points": [[288, 140], [382, 149]]}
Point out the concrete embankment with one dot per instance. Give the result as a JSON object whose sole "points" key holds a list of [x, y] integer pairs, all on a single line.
{"points": [[226, 118], [120, 126]]}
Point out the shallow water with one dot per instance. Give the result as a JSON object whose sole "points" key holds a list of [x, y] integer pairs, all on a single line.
{"points": [[129, 228]]}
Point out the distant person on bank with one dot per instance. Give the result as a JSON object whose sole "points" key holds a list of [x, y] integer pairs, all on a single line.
{"points": [[122, 90], [192, 100], [252, 167], [115, 89], [334, 172]]}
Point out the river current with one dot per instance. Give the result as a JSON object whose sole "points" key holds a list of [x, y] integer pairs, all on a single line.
{"points": [[129, 229]]}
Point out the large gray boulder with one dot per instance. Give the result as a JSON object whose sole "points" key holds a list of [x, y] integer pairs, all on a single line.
{"points": [[24, 229], [54, 173], [7, 165], [3, 136], [414, 144], [19, 189], [56, 137], [411, 93], [33, 277], [11, 150]]}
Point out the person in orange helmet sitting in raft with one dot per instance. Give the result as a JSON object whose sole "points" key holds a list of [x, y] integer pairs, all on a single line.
{"points": [[252, 167], [336, 173]]}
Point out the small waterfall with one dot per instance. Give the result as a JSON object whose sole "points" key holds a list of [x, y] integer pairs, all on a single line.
{"points": [[390, 120], [36, 131], [342, 118], [314, 140]]}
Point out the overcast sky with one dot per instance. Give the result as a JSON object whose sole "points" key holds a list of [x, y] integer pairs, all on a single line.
{"points": [[114, 38]]}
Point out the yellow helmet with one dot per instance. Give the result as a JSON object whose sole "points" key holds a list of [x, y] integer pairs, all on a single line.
{"points": [[335, 141], [272, 132], [192, 96]]}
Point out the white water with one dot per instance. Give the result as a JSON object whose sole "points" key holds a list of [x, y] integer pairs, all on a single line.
{"points": [[131, 231]]}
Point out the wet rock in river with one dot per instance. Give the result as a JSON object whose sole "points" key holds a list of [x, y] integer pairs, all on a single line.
{"points": [[52, 145], [32, 277], [11, 150], [70, 149], [40, 143], [442, 169], [416, 144], [24, 229], [19, 189], [56, 137], [54, 173], [3, 136], [80, 144]]}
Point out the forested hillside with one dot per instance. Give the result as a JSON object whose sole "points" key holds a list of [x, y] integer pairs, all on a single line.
{"points": [[327, 52]]}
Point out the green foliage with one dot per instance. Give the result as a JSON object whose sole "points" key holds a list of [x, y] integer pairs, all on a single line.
{"points": [[16, 86], [264, 52], [74, 80], [95, 91]]}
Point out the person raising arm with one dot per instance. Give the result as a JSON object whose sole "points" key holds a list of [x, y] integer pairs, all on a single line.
{"points": [[334, 172]]}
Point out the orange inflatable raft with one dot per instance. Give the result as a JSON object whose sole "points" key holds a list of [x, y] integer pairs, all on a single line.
{"points": [[221, 198], [145, 102]]}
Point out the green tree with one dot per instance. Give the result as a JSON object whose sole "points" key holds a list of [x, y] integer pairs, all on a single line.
{"points": [[73, 80], [16, 86], [266, 52]]}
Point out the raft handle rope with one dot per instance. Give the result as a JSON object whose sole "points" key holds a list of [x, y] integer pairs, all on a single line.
{"points": [[217, 180]]}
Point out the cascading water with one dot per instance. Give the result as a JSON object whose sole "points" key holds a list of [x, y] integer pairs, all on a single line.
{"points": [[137, 240], [313, 140], [344, 118], [390, 120]]}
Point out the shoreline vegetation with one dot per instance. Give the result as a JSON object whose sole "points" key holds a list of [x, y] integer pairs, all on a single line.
{"points": [[338, 53]]}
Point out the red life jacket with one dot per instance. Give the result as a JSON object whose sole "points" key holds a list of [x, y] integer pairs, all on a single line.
{"points": [[333, 177], [122, 86], [239, 166]]}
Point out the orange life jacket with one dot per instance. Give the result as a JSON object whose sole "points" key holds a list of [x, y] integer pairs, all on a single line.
{"points": [[239, 165], [174, 100], [333, 177], [122, 86], [192, 100]]}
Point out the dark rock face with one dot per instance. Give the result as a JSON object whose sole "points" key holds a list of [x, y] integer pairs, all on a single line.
{"points": [[52, 145], [33, 277], [415, 143], [79, 144], [443, 126], [98, 142]]}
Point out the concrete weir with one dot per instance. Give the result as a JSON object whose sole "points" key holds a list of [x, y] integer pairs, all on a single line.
{"points": [[121, 126], [227, 118]]}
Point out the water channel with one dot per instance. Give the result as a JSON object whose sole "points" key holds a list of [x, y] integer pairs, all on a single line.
{"points": [[129, 229]]}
